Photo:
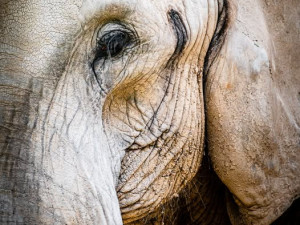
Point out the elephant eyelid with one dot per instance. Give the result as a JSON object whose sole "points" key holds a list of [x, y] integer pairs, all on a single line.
{"points": [[180, 31], [113, 42]]}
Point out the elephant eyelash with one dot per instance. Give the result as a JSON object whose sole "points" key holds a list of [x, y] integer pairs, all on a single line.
{"points": [[112, 43], [113, 39]]}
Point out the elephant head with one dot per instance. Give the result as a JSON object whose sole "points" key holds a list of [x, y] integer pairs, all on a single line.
{"points": [[88, 84], [102, 110]]}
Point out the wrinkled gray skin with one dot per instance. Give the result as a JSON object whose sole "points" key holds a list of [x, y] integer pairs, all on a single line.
{"points": [[84, 134]]}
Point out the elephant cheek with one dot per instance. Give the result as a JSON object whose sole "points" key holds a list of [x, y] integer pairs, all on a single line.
{"points": [[153, 173]]}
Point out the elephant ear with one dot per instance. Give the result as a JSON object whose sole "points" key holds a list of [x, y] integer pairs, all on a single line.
{"points": [[252, 100]]}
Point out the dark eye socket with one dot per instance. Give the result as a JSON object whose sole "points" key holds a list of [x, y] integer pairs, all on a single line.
{"points": [[111, 44]]}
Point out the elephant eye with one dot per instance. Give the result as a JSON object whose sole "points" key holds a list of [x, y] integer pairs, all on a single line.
{"points": [[113, 43]]}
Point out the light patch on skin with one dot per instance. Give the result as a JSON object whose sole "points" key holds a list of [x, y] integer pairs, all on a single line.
{"points": [[262, 59], [257, 59]]}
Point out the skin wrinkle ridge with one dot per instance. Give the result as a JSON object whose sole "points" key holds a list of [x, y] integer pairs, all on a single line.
{"points": [[179, 47], [72, 149]]}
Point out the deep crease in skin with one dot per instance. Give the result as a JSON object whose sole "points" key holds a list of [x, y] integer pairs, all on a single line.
{"points": [[181, 37], [217, 39], [213, 51], [180, 32]]}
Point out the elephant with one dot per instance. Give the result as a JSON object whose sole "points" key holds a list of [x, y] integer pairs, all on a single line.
{"points": [[112, 110]]}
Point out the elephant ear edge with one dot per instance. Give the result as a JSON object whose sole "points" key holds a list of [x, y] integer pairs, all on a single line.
{"points": [[226, 14]]}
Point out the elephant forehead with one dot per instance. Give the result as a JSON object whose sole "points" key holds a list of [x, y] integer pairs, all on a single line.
{"points": [[116, 6], [47, 31], [196, 13], [41, 33]]}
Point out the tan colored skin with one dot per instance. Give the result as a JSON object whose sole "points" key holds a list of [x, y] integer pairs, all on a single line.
{"points": [[253, 111]]}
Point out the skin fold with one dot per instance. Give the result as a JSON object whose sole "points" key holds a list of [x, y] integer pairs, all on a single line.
{"points": [[148, 112]]}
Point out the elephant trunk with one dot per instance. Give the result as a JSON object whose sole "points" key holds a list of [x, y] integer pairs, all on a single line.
{"points": [[18, 187], [52, 172]]}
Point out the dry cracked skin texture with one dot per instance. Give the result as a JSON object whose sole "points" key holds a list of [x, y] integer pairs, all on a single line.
{"points": [[71, 113]]}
